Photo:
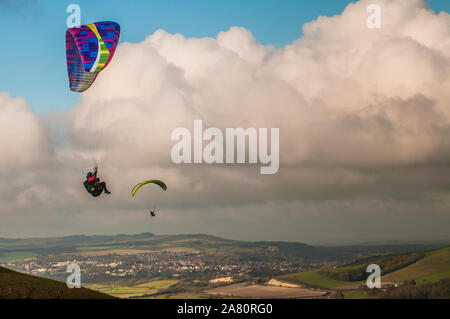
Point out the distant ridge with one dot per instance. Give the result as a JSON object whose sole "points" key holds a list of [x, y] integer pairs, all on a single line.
{"points": [[200, 242]]}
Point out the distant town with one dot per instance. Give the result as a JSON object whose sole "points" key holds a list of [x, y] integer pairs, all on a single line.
{"points": [[128, 264]]}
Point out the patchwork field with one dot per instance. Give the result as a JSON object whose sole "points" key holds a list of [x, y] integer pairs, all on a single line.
{"points": [[259, 291]]}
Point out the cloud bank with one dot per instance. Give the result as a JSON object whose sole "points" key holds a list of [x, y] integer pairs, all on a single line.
{"points": [[364, 125]]}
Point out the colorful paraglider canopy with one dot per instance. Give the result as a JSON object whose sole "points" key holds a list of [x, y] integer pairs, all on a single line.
{"points": [[152, 181], [89, 50]]}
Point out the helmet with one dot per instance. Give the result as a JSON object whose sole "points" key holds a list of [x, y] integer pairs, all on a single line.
{"points": [[88, 175]]}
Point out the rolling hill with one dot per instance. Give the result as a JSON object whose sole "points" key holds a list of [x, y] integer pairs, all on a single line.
{"points": [[433, 267], [22, 248], [427, 267]]}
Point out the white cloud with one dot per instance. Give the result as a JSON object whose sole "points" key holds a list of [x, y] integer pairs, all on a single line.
{"points": [[360, 112], [23, 139]]}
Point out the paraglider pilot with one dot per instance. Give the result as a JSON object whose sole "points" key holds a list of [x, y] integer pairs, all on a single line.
{"points": [[93, 185]]}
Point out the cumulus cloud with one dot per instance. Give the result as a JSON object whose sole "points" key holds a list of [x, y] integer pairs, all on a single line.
{"points": [[363, 117], [24, 141]]}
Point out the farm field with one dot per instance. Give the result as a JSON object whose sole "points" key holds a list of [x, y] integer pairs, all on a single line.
{"points": [[16, 256], [313, 278], [356, 294], [261, 291], [181, 295], [147, 288]]}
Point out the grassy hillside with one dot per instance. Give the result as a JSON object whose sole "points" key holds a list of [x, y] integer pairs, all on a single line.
{"points": [[435, 266], [14, 285], [313, 279], [426, 267]]}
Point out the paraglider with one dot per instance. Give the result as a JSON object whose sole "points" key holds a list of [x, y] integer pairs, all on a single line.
{"points": [[89, 50], [151, 181], [93, 185], [161, 184]]}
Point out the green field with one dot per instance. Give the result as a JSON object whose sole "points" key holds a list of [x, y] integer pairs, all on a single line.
{"points": [[16, 256], [435, 266], [147, 288], [313, 278]]}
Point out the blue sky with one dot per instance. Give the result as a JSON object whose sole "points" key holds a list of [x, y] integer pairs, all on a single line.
{"points": [[33, 61]]}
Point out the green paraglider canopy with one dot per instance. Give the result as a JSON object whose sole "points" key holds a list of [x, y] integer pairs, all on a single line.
{"points": [[151, 181]]}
